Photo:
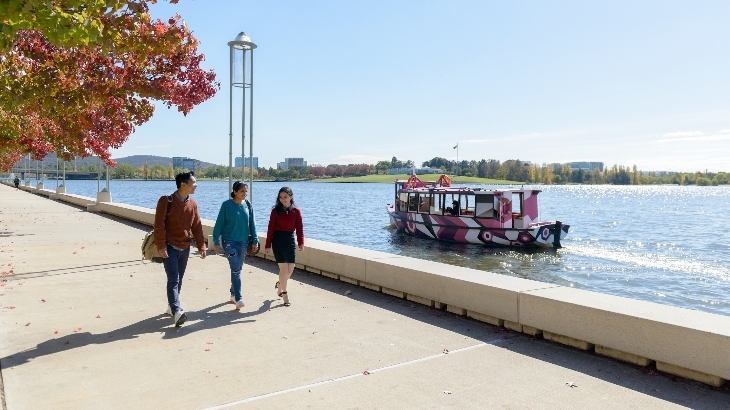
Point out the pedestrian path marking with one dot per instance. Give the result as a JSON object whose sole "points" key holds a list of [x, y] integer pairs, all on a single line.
{"points": [[351, 376]]}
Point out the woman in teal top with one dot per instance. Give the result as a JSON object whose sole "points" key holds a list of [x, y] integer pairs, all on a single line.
{"points": [[235, 225]]}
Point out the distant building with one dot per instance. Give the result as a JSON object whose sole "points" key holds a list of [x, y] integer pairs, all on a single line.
{"points": [[419, 171], [291, 162], [247, 162], [184, 163], [586, 166]]}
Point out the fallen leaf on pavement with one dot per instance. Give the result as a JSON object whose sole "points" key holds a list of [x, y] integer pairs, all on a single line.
{"points": [[98, 316], [347, 292], [571, 384], [27, 324], [447, 391], [366, 372]]}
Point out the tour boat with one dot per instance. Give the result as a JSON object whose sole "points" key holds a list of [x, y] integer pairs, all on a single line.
{"points": [[501, 217]]}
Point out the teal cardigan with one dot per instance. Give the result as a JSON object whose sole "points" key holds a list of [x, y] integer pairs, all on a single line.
{"points": [[234, 223]]}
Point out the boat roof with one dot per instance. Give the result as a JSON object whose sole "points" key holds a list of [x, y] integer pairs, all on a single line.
{"points": [[466, 190], [443, 185], [434, 187]]}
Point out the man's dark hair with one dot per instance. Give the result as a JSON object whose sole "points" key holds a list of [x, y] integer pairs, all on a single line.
{"points": [[183, 177]]}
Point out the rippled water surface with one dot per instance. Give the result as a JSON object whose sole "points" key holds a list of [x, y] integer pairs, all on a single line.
{"points": [[665, 244]]}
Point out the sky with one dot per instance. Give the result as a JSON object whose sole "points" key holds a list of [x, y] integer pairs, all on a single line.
{"points": [[338, 82]]}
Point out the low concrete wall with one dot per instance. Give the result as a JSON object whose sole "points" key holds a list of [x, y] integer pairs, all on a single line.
{"points": [[684, 342], [75, 199], [142, 215], [689, 339]]}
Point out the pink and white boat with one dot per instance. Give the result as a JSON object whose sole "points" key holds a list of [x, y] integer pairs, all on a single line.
{"points": [[507, 217]]}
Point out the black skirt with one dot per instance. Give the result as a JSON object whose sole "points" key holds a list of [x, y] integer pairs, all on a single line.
{"points": [[283, 246]]}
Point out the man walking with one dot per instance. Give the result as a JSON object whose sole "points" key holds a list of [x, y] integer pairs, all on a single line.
{"points": [[176, 217], [16, 181]]}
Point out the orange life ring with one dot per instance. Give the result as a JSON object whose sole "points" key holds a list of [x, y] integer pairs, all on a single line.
{"points": [[444, 181], [412, 181]]}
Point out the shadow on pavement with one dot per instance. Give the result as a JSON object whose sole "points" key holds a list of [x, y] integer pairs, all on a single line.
{"points": [[206, 319]]}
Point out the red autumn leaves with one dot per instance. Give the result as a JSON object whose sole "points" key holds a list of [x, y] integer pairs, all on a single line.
{"points": [[86, 100]]}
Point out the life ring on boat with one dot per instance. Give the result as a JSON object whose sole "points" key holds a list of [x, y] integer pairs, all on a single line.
{"points": [[444, 181], [412, 181]]}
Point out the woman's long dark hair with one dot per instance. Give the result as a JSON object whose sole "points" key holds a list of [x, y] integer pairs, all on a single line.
{"points": [[238, 185], [279, 206]]}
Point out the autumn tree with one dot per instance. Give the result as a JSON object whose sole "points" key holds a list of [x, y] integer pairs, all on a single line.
{"points": [[77, 97], [68, 23]]}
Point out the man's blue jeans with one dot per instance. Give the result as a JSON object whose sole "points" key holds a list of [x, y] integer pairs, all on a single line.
{"points": [[235, 253], [175, 265]]}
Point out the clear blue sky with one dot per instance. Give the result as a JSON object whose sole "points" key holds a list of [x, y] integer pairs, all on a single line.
{"points": [[622, 82]]}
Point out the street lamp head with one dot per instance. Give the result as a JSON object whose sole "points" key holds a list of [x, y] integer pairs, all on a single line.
{"points": [[242, 42]]}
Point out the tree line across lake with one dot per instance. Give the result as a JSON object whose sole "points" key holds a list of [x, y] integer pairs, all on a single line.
{"points": [[511, 170]]}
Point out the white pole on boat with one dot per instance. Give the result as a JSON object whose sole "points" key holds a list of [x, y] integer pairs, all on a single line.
{"points": [[456, 147]]}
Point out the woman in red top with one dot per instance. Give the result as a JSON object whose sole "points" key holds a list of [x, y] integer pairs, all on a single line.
{"points": [[285, 219]]}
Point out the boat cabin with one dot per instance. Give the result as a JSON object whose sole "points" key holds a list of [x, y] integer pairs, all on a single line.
{"points": [[511, 208]]}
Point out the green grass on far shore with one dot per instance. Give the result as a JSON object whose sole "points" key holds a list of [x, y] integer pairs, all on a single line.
{"points": [[425, 178]]}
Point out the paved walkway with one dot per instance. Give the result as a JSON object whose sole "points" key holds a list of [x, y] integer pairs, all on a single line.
{"points": [[81, 328]]}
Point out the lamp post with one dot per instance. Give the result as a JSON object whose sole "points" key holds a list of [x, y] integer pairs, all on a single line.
{"points": [[239, 47], [102, 195]]}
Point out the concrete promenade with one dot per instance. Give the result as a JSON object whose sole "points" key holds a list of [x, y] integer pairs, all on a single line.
{"points": [[81, 327]]}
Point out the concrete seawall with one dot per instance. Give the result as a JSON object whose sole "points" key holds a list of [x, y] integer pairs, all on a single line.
{"points": [[679, 341]]}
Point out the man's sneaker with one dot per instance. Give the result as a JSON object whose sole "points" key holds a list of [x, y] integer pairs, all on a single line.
{"points": [[179, 318], [239, 304], [233, 300], [168, 312]]}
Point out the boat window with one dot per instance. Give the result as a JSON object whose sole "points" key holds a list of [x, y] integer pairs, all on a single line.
{"points": [[467, 205], [402, 201], [485, 206], [424, 203], [449, 204], [412, 202], [517, 203], [437, 201]]}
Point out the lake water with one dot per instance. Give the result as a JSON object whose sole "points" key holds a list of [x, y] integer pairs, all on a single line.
{"points": [[664, 244]]}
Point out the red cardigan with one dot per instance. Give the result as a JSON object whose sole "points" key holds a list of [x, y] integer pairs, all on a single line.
{"points": [[288, 221]]}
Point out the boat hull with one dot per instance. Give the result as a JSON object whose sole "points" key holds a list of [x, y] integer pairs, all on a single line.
{"points": [[464, 229]]}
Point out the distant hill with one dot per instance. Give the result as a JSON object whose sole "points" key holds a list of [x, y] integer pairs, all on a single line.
{"points": [[135, 160], [138, 161]]}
